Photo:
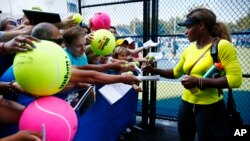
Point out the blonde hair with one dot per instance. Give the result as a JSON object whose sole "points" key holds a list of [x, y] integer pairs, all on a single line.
{"points": [[72, 33], [119, 50]]}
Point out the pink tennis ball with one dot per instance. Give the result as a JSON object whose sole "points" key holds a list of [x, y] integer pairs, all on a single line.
{"points": [[57, 115], [100, 20]]}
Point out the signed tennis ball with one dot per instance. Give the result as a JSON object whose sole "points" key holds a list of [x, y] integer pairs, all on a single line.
{"points": [[77, 18], [103, 42], [44, 70]]}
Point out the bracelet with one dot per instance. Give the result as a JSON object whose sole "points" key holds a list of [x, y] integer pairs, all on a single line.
{"points": [[11, 86], [2, 49], [200, 83]]}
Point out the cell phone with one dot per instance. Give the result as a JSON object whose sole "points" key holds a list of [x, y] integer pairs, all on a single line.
{"points": [[77, 97]]}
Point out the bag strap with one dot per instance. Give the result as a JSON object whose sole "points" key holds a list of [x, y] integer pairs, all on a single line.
{"points": [[231, 107], [198, 60], [214, 50], [214, 54]]}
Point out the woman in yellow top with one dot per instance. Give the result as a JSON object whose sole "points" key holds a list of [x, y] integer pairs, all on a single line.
{"points": [[203, 111]]}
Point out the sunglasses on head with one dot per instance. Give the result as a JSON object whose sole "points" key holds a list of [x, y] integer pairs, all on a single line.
{"points": [[59, 41], [12, 23]]}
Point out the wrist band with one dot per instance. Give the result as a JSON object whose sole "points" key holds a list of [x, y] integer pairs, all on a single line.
{"points": [[200, 83]]}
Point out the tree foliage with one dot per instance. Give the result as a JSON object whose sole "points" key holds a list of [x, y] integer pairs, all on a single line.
{"points": [[170, 26], [243, 23]]}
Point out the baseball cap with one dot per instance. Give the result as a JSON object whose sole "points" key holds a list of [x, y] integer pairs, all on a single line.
{"points": [[129, 40], [119, 42], [189, 21]]}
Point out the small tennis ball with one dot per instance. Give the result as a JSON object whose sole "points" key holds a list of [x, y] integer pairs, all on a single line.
{"points": [[151, 57], [43, 71], [103, 42], [77, 18], [129, 72], [137, 63], [124, 65]]}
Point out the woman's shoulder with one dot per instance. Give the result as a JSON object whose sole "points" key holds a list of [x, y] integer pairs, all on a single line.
{"points": [[224, 42], [225, 45]]}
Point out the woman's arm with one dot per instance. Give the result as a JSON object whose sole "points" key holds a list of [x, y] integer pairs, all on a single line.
{"points": [[117, 65], [10, 115], [23, 136], [167, 73], [94, 77], [8, 35]]}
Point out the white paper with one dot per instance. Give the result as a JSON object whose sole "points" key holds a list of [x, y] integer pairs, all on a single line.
{"points": [[114, 92], [150, 43]]}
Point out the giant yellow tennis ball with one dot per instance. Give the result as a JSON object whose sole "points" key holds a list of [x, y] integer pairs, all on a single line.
{"points": [[43, 71], [77, 18], [103, 42]]}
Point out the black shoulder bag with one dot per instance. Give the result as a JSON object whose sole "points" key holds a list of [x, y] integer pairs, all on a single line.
{"points": [[233, 115]]}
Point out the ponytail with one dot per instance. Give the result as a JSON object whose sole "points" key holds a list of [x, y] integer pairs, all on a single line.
{"points": [[221, 30]]}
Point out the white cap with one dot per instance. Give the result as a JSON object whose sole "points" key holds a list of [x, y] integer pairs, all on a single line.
{"points": [[129, 40]]}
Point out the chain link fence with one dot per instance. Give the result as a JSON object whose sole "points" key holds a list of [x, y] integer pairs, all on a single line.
{"points": [[127, 17]]}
